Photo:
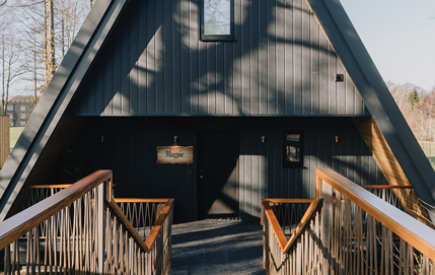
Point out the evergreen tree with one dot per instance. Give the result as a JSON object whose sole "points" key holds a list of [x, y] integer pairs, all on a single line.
{"points": [[413, 98]]}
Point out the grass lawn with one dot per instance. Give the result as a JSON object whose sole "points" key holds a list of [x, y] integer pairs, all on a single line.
{"points": [[429, 150], [15, 134]]}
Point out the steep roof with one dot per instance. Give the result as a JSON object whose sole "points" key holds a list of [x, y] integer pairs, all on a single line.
{"points": [[21, 98], [375, 94], [92, 36]]}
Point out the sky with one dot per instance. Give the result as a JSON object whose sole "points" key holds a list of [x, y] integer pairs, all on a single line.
{"points": [[399, 36]]}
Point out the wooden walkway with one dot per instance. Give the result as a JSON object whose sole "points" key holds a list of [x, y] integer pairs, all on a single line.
{"points": [[217, 247]]}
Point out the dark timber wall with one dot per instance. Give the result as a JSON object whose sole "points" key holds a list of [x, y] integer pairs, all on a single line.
{"points": [[154, 64], [129, 148]]}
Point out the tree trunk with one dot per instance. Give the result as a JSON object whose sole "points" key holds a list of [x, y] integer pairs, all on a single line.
{"points": [[4, 139], [51, 61], [63, 29], [4, 102]]}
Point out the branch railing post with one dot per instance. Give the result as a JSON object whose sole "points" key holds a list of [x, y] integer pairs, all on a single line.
{"points": [[100, 225], [326, 224]]}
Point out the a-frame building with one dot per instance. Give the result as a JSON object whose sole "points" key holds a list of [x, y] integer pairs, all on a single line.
{"points": [[138, 74]]}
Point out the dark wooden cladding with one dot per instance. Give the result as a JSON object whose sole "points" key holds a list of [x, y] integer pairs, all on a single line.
{"points": [[280, 63], [49, 160], [129, 150]]}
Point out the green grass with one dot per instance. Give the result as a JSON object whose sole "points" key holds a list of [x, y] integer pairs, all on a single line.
{"points": [[429, 150], [15, 134]]}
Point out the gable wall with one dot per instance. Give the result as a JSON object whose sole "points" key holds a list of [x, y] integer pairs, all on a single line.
{"points": [[154, 64]]}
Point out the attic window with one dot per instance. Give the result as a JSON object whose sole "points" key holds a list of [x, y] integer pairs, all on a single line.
{"points": [[217, 20]]}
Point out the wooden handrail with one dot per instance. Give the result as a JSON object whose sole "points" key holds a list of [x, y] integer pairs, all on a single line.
{"points": [[50, 186], [386, 187], [21, 223], [54, 186], [290, 200], [417, 234], [308, 216], [139, 200], [280, 237], [158, 224]]}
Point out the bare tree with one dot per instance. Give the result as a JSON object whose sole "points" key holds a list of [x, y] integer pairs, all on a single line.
{"points": [[11, 69], [45, 29]]}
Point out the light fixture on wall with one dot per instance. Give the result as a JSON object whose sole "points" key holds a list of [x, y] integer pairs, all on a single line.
{"points": [[339, 78], [263, 139], [175, 140], [336, 139]]}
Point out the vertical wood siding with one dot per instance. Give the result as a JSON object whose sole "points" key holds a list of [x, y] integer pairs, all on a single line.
{"points": [[280, 63], [129, 148]]}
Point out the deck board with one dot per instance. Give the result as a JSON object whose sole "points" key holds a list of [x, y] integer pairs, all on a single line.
{"points": [[217, 247]]}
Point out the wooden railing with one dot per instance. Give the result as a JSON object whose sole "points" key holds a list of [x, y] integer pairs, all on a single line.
{"points": [[142, 213], [81, 229], [348, 230]]}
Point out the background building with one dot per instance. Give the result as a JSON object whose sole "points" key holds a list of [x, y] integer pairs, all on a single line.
{"points": [[19, 109]]}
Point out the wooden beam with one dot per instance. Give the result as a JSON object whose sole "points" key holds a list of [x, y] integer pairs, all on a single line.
{"points": [[390, 167], [381, 152], [130, 228], [280, 237], [149, 242], [308, 216]]}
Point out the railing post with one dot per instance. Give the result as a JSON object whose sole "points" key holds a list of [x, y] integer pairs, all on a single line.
{"points": [[265, 236], [326, 225], [100, 227]]}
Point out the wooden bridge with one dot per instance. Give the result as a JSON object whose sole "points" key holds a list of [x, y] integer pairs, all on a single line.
{"points": [[345, 229]]}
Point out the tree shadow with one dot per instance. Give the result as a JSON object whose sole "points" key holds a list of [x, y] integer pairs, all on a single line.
{"points": [[156, 64]]}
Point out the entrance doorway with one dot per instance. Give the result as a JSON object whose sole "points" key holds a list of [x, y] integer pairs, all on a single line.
{"points": [[218, 182]]}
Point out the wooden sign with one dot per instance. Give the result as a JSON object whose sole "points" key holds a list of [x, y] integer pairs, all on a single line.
{"points": [[174, 155]]}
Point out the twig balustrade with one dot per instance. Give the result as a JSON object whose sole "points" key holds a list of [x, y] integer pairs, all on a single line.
{"points": [[289, 212], [348, 230], [141, 213], [81, 229]]}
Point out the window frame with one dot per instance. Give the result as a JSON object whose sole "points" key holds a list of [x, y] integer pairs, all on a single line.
{"points": [[216, 37], [22, 108], [285, 163]]}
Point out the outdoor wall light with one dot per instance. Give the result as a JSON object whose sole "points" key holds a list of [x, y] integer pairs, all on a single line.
{"points": [[263, 139], [175, 139], [336, 139], [339, 78]]}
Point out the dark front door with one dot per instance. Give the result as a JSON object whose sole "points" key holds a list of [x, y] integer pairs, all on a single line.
{"points": [[218, 181]]}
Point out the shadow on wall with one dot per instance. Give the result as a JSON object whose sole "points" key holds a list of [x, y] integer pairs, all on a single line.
{"points": [[172, 72]]}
